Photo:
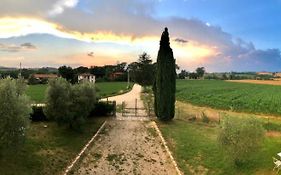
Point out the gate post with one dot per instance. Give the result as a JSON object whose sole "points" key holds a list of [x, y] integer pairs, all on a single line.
{"points": [[114, 110], [123, 108], [136, 105], [148, 109]]}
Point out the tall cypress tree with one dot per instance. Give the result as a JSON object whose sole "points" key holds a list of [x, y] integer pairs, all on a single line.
{"points": [[165, 80]]}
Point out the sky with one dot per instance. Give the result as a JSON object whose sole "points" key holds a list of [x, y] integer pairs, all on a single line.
{"points": [[220, 35]]}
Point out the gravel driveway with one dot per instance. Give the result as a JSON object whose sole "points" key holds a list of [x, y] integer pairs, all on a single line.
{"points": [[127, 147]]}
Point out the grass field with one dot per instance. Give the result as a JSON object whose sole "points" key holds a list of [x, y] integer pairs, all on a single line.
{"points": [[104, 89], [244, 97], [196, 150], [48, 150], [36, 92]]}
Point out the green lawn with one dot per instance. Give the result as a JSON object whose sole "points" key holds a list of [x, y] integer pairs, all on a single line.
{"points": [[36, 92], [252, 98], [104, 89], [48, 150], [196, 150]]}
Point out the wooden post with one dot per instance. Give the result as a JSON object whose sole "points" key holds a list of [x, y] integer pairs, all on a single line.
{"points": [[148, 109], [114, 111], [123, 106], [136, 106]]}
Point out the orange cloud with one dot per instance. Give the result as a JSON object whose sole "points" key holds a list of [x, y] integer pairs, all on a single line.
{"points": [[189, 52]]}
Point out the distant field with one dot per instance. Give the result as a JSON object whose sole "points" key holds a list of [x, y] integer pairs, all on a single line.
{"points": [[270, 82], [36, 92], [104, 89], [245, 97]]}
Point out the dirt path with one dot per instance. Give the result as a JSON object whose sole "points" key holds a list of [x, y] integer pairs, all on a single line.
{"points": [[127, 147], [129, 98]]}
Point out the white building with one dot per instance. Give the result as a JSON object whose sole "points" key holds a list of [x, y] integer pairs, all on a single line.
{"points": [[86, 77]]}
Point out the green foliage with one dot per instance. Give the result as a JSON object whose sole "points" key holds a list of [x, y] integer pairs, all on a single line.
{"points": [[240, 138], [14, 113], [83, 100], [32, 80], [58, 100], [103, 109], [165, 83], [142, 72], [200, 71], [198, 144], [244, 97], [69, 105], [68, 73], [183, 74], [47, 150], [104, 89], [104, 73]]}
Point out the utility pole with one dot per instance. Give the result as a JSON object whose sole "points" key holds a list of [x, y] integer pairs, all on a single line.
{"points": [[19, 76], [128, 85]]}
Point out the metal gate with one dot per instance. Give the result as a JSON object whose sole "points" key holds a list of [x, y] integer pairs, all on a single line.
{"points": [[135, 111]]}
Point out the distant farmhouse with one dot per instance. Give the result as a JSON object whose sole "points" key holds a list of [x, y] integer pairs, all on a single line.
{"points": [[264, 73], [44, 76], [274, 74], [115, 75], [277, 74], [86, 77], [41, 78]]}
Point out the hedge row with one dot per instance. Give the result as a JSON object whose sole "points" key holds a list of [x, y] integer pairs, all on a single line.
{"points": [[101, 109]]}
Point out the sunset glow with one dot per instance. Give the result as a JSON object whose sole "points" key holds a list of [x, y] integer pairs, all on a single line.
{"points": [[65, 31]]}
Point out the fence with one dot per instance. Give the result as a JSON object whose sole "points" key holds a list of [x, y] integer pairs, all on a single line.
{"points": [[136, 111]]}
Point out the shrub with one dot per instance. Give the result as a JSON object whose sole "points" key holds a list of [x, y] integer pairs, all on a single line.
{"points": [[83, 101], [32, 80], [58, 100], [103, 109], [240, 138], [38, 114], [14, 112], [69, 104]]}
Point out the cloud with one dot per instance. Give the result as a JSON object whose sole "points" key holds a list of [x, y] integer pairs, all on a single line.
{"points": [[61, 5], [179, 40], [17, 48], [91, 54], [28, 46], [195, 43]]}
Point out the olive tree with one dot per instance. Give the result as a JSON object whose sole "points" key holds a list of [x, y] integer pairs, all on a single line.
{"points": [[240, 138], [69, 104], [83, 99], [14, 112], [58, 100]]}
